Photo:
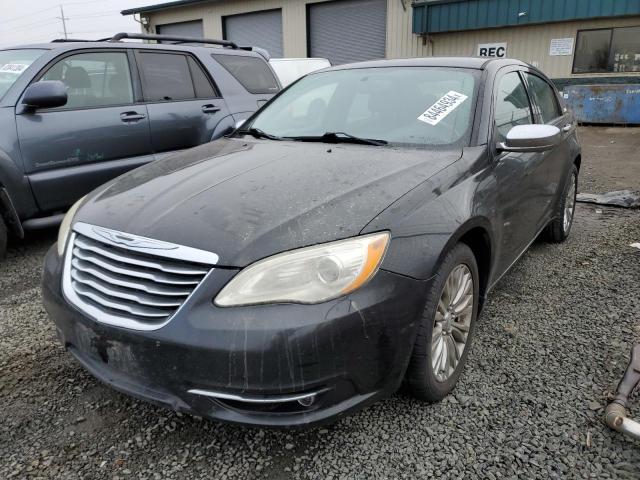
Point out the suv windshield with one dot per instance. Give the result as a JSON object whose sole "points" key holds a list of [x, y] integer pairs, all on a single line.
{"points": [[422, 106], [12, 64]]}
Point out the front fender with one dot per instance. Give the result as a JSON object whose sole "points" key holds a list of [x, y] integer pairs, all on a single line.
{"points": [[12, 175], [433, 217], [224, 126], [17, 187]]}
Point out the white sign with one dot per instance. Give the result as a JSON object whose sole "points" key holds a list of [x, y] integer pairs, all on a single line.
{"points": [[13, 68], [442, 108], [492, 50], [561, 47]]}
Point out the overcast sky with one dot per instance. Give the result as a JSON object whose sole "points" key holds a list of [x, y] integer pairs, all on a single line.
{"points": [[32, 21]]}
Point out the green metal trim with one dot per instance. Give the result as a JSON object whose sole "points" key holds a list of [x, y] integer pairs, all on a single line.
{"points": [[458, 15]]}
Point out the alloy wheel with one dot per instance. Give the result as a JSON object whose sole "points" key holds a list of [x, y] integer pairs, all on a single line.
{"points": [[569, 205], [452, 323]]}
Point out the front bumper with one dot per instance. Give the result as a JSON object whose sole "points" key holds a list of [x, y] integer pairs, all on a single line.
{"points": [[250, 365]]}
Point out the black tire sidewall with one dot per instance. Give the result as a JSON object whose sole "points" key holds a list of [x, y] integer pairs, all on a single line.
{"points": [[3, 238], [421, 378], [555, 231]]}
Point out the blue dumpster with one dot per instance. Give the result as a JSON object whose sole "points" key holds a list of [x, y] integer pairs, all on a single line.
{"points": [[613, 104]]}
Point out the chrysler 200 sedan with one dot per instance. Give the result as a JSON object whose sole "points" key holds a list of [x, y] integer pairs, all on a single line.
{"points": [[338, 245]]}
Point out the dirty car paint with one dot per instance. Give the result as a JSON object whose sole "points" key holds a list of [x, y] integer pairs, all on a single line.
{"points": [[250, 199]]}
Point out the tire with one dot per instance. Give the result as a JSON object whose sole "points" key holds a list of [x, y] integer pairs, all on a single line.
{"points": [[3, 238], [422, 377], [560, 227]]}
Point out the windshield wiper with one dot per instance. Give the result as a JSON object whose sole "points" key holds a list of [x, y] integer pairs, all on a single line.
{"points": [[341, 137], [257, 133]]}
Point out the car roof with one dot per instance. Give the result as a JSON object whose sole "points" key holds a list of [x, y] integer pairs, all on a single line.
{"points": [[298, 59], [477, 63], [62, 46]]}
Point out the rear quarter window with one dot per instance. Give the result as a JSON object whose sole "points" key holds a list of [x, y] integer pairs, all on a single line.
{"points": [[252, 73]]}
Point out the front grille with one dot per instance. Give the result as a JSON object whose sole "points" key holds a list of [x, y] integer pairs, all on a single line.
{"points": [[116, 284]]}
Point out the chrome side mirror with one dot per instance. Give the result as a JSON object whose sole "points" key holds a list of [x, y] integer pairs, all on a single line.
{"points": [[531, 138]]}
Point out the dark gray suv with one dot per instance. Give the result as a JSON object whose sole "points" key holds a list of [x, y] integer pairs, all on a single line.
{"points": [[74, 115]]}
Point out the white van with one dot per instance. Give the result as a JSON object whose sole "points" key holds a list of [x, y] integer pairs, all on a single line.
{"points": [[289, 70]]}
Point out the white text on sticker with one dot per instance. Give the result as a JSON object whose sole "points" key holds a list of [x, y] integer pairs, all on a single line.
{"points": [[442, 108]]}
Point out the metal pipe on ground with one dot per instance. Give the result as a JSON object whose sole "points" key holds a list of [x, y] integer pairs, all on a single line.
{"points": [[616, 412]]}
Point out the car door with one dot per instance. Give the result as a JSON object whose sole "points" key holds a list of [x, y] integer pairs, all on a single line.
{"points": [[184, 104], [547, 110], [518, 175], [100, 133]]}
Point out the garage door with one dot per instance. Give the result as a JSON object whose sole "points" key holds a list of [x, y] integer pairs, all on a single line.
{"points": [[348, 30], [257, 29], [184, 29]]}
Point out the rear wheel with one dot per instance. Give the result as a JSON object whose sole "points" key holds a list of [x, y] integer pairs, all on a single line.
{"points": [[3, 238], [446, 327], [560, 227]]}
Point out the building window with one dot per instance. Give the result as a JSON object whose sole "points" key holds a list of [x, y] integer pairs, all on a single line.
{"points": [[608, 50]]}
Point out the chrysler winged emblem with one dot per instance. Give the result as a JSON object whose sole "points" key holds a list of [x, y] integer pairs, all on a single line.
{"points": [[132, 241]]}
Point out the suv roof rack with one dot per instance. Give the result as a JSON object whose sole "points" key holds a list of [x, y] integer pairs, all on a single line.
{"points": [[71, 40], [170, 38]]}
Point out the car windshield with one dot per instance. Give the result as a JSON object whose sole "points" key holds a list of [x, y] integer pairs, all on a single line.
{"points": [[421, 106], [13, 63]]}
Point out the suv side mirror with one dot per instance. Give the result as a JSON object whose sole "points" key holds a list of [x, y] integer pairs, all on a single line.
{"points": [[531, 138], [45, 94]]}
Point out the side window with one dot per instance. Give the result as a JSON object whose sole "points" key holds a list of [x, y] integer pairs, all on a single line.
{"points": [[166, 77], [512, 105], [545, 104], [201, 82], [96, 79], [253, 73]]}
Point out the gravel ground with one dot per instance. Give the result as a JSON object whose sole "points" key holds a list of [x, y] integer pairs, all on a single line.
{"points": [[551, 344], [607, 146]]}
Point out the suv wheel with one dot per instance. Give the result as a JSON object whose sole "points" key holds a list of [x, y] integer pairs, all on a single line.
{"points": [[446, 327], [560, 227]]}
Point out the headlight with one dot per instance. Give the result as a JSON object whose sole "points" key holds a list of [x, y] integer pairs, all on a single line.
{"points": [[308, 275], [65, 226]]}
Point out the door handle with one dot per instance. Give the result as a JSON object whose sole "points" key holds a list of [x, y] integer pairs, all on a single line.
{"points": [[132, 116], [209, 108]]}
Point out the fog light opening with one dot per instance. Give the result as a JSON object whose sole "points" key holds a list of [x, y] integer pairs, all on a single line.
{"points": [[307, 401]]}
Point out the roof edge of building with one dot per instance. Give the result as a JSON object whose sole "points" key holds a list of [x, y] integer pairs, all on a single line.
{"points": [[161, 6], [444, 16]]}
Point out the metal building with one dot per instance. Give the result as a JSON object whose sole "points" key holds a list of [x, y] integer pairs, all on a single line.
{"points": [[341, 30], [573, 41]]}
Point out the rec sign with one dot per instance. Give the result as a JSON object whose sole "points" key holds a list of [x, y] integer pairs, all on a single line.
{"points": [[498, 50]]}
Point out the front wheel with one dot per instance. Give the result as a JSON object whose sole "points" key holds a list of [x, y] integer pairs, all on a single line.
{"points": [[560, 227], [446, 327]]}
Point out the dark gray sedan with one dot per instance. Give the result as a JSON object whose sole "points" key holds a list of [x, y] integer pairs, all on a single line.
{"points": [[338, 245]]}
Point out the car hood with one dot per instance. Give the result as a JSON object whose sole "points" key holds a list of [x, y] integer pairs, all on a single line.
{"points": [[246, 200]]}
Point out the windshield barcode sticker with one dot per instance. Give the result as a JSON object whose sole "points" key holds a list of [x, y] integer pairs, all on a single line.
{"points": [[442, 108], [13, 68]]}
